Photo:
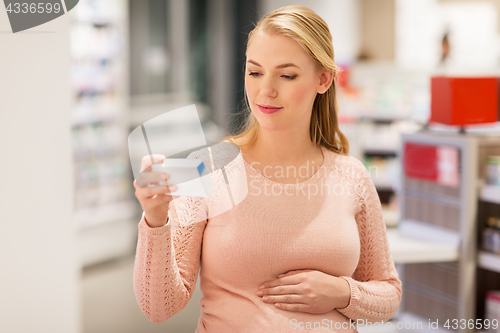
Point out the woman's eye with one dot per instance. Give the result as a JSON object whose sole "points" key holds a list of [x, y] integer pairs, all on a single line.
{"points": [[286, 77]]}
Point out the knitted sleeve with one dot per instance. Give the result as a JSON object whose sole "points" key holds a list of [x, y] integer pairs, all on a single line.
{"points": [[376, 289], [167, 258]]}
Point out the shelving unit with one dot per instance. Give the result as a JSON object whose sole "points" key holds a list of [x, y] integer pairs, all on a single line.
{"points": [[445, 215], [380, 141], [410, 250], [490, 193], [488, 271], [104, 203], [379, 151], [489, 261]]}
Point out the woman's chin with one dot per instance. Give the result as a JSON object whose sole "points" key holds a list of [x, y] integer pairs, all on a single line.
{"points": [[271, 125]]}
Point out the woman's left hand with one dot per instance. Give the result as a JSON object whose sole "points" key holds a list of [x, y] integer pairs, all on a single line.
{"points": [[306, 290]]}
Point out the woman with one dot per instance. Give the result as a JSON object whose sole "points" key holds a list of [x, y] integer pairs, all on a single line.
{"points": [[286, 257]]}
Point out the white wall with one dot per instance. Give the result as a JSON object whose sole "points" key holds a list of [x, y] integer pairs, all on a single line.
{"points": [[39, 276], [473, 35], [342, 17]]}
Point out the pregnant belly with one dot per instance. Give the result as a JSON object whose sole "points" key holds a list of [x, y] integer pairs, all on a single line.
{"points": [[246, 313]]}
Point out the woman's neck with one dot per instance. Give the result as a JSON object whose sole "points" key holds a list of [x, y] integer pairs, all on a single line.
{"points": [[283, 152]]}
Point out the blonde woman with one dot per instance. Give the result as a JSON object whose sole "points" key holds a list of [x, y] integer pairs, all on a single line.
{"points": [[303, 250]]}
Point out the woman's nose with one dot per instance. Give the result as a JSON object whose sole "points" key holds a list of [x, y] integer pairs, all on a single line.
{"points": [[267, 89]]}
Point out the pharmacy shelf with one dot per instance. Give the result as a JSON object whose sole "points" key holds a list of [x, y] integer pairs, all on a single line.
{"points": [[490, 261], [92, 216], [408, 250], [105, 210], [382, 118], [382, 151], [384, 186], [490, 193], [453, 222]]}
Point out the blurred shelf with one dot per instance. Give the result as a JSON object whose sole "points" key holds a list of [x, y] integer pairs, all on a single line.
{"points": [[92, 92], [448, 215], [106, 241], [95, 58], [384, 187], [92, 216], [490, 193], [146, 108], [94, 22], [389, 152], [390, 218], [100, 79], [94, 121], [406, 250], [489, 261], [382, 119]]}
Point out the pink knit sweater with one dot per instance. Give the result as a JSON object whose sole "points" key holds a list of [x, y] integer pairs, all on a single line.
{"points": [[250, 230]]}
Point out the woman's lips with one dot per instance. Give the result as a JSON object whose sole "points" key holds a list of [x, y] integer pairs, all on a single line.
{"points": [[268, 109]]}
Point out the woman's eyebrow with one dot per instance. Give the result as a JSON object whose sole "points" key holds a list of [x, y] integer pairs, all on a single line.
{"points": [[279, 66]]}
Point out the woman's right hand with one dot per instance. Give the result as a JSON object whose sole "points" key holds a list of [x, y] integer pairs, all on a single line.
{"points": [[154, 201]]}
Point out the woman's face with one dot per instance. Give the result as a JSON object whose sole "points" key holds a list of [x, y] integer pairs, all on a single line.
{"points": [[280, 74]]}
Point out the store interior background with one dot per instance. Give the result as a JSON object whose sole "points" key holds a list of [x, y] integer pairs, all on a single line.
{"points": [[72, 90]]}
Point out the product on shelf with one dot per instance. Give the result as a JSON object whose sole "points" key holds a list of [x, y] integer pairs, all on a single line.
{"points": [[451, 106], [492, 315], [489, 234], [496, 236], [493, 170]]}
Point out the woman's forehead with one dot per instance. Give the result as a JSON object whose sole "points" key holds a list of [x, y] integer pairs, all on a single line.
{"points": [[272, 51], [275, 42]]}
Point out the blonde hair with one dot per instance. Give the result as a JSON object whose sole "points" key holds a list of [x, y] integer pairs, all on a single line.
{"points": [[312, 33]]}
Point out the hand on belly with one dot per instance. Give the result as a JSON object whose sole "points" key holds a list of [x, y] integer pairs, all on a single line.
{"points": [[306, 290]]}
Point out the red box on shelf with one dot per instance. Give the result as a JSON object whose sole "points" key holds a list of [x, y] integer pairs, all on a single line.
{"points": [[464, 100], [434, 163]]}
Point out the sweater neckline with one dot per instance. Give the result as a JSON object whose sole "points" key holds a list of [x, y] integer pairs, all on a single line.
{"points": [[319, 173]]}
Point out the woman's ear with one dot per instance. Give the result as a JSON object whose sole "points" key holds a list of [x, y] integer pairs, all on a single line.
{"points": [[326, 80]]}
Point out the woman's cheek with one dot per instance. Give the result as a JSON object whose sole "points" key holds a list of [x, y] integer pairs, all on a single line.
{"points": [[249, 90], [300, 93]]}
